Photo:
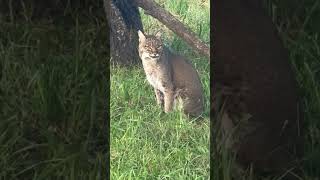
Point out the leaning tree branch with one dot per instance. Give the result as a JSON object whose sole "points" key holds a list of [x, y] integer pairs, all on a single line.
{"points": [[156, 11]]}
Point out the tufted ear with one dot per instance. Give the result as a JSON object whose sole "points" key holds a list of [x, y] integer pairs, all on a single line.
{"points": [[142, 37], [158, 34]]}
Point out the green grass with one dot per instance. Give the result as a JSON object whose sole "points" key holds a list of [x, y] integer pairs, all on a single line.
{"points": [[145, 142], [53, 85]]}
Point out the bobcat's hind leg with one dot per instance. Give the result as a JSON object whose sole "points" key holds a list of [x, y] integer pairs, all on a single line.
{"points": [[193, 107]]}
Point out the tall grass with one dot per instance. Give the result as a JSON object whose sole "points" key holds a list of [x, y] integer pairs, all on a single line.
{"points": [[52, 98]]}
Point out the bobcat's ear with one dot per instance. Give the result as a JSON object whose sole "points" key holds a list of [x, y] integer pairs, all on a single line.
{"points": [[142, 37], [158, 34]]}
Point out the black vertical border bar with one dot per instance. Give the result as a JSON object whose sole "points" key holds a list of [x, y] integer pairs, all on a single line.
{"points": [[212, 84], [212, 61], [106, 6]]}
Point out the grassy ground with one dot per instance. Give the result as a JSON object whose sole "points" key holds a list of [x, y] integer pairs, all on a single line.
{"points": [[145, 142], [53, 85]]}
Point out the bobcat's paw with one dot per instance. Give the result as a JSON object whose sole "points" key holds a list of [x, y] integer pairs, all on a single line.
{"points": [[167, 110]]}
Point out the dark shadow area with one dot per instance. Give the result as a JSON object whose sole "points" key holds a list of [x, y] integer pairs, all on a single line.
{"points": [[265, 64]]}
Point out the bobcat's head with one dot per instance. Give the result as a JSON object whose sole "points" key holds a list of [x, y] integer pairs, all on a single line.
{"points": [[150, 47]]}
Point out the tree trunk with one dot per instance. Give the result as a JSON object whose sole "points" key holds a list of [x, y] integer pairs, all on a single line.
{"points": [[124, 21]]}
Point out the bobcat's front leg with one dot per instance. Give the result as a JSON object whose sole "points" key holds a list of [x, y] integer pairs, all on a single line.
{"points": [[168, 100], [159, 97]]}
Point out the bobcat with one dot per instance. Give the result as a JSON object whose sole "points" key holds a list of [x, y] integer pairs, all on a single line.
{"points": [[172, 77]]}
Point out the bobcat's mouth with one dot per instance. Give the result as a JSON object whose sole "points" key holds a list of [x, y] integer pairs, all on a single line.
{"points": [[154, 56], [150, 56]]}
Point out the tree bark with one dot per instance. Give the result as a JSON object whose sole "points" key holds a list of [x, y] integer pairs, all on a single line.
{"points": [[124, 21], [153, 9]]}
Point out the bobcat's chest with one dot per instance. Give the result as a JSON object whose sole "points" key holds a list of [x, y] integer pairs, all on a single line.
{"points": [[156, 80]]}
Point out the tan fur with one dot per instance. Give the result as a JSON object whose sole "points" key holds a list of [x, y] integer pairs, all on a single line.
{"points": [[171, 76]]}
